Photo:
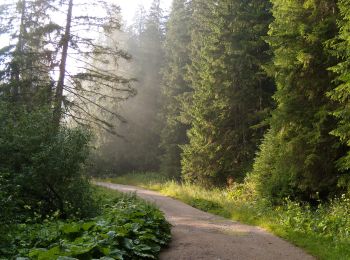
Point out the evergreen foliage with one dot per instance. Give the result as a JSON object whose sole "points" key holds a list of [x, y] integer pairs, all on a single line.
{"points": [[297, 156], [231, 91], [34, 67], [175, 86], [25, 61], [341, 94]]}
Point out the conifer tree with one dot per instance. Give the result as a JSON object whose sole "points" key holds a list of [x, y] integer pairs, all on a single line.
{"points": [[35, 62], [175, 86], [26, 60], [341, 94], [230, 89], [296, 158]]}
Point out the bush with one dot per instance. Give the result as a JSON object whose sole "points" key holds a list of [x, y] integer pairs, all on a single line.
{"points": [[41, 169]]}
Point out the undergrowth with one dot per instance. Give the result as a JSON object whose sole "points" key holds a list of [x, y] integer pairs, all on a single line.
{"points": [[323, 231], [127, 228]]}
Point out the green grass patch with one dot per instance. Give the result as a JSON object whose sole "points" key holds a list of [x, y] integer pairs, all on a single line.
{"points": [[127, 228], [323, 231]]}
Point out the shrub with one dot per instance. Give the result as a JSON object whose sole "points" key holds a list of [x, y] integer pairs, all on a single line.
{"points": [[41, 168]]}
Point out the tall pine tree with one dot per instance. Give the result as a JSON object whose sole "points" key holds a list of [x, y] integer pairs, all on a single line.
{"points": [[297, 156], [27, 59], [175, 86], [341, 94], [230, 89], [34, 69]]}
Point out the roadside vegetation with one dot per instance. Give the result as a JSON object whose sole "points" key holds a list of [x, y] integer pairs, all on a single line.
{"points": [[322, 230], [124, 227]]}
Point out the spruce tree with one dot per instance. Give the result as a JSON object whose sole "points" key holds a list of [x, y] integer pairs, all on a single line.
{"points": [[26, 60], [175, 86], [341, 94], [296, 158], [230, 89], [35, 63]]}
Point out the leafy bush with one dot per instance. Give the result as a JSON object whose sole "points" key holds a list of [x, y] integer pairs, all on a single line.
{"points": [[41, 168], [128, 229]]}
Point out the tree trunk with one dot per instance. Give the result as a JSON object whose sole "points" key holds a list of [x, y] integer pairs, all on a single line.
{"points": [[16, 67], [60, 84]]}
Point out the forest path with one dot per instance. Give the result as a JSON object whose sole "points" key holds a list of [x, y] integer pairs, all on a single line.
{"points": [[200, 235]]}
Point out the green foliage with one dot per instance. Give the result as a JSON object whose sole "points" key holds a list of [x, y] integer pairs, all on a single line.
{"points": [[175, 86], [297, 156], [41, 169], [128, 228], [341, 93], [231, 93], [24, 72]]}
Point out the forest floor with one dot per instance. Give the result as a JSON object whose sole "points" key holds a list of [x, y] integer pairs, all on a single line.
{"points": [[200, 235]]}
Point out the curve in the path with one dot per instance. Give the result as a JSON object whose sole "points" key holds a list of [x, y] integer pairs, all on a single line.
{"points": [[200, 235]]}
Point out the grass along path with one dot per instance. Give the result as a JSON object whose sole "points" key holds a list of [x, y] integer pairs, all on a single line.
{"points": [[323, 232]]}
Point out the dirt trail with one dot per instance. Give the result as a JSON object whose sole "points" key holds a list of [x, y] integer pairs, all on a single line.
{"points": [[200, 235]]}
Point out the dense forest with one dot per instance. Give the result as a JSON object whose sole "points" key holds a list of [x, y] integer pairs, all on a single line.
{"points": [[242, 91], [232, 93], [262, 91]]}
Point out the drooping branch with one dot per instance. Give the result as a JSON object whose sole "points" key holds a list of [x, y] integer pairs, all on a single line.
{"points": [[76, 54], [121, 119]]}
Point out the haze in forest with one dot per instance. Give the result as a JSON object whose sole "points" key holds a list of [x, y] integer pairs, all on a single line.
{"points": [[244, 101], [128, 8]]}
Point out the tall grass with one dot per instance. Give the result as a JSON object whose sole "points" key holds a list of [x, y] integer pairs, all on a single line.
{"points": [[323, 231]]}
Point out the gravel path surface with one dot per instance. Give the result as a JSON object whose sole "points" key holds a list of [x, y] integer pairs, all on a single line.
{"points": [[200, 235]]}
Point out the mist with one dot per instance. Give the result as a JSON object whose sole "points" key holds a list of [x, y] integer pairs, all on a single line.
{"points": [[135, 144]]}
